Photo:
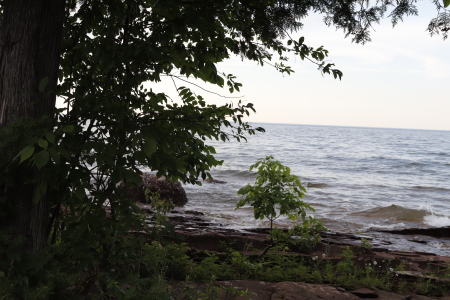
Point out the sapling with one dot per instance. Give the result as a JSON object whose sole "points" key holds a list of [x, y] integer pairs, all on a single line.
{"points": [[276, 193]]}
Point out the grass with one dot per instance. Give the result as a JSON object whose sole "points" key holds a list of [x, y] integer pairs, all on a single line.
{"points": [[348, 271]]}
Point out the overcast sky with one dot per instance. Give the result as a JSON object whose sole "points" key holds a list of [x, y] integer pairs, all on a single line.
{"points": [[399, 80]]}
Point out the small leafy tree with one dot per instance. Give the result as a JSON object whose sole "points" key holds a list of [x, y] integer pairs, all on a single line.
{"points": [[276, 193]]}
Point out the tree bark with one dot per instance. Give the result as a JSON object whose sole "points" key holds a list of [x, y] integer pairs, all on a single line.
{"points": [[30, 46]]}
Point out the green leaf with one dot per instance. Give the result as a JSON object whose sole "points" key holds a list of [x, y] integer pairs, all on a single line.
{"points": [[301, 40], [132, 176], [26, 153], [68, 128], [41, 159], [149, 147], [43, 84], [50, 137], [42, 143], [446, 3]]}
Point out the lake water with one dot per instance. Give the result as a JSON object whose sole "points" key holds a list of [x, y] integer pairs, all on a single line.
{"points": [[357, 179]]}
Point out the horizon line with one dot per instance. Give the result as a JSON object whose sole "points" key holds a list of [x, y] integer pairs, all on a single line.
{"points": [[349, 126]]}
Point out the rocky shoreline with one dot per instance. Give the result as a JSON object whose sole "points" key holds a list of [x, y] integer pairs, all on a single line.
{"points": [[202, 233]]}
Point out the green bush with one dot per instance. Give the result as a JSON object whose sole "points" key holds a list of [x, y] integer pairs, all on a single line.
{"points": [[277, 193]]}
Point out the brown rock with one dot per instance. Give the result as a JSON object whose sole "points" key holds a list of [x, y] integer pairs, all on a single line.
{"points": [[384, 295], [168, 190], [306, 291], [365, 293], [417, 297], [261, 290]]}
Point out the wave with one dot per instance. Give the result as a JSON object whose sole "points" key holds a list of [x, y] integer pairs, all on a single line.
{"points": [[394, 213], [440, 153], [235, 173], [410, 164], [429, 188], [316, 185], [436, 221]]}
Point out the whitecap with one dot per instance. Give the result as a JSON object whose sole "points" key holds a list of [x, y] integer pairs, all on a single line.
{"points": [[436, 221]]}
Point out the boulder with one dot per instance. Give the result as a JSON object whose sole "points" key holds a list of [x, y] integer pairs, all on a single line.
{"points": [[167, 189]]}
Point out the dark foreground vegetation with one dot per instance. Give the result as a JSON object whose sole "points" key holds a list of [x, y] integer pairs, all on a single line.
{"points": [[161, 264]]}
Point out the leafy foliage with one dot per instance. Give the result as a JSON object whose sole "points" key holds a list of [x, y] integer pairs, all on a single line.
{"points": [[276, 192], [301, 237]]}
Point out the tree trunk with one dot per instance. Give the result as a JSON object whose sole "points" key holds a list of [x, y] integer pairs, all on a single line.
{"points": [[30, 45]]}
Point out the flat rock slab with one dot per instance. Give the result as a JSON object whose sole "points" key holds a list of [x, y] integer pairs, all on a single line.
{"points": [[303, 291], [440, 232], [261, 290]]}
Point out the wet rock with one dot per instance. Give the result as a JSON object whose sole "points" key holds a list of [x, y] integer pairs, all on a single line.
{"points": [[440, 232], [215, 181], [167, 189], [193, 212]]}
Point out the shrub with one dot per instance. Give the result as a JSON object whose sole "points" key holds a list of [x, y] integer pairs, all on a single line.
{"points": [[276, 193]]}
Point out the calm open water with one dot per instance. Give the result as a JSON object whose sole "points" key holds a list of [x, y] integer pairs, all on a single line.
{"points": [[358, 179]]}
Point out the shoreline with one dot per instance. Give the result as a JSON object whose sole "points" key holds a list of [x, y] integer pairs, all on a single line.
{"points": [[203, 233], [432, 240]]}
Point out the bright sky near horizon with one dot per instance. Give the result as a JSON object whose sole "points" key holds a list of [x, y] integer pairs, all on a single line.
{"points": [[399, 80]]}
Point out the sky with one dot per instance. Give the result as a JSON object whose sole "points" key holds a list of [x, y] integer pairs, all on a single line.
{"points": [[399, 80]]}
